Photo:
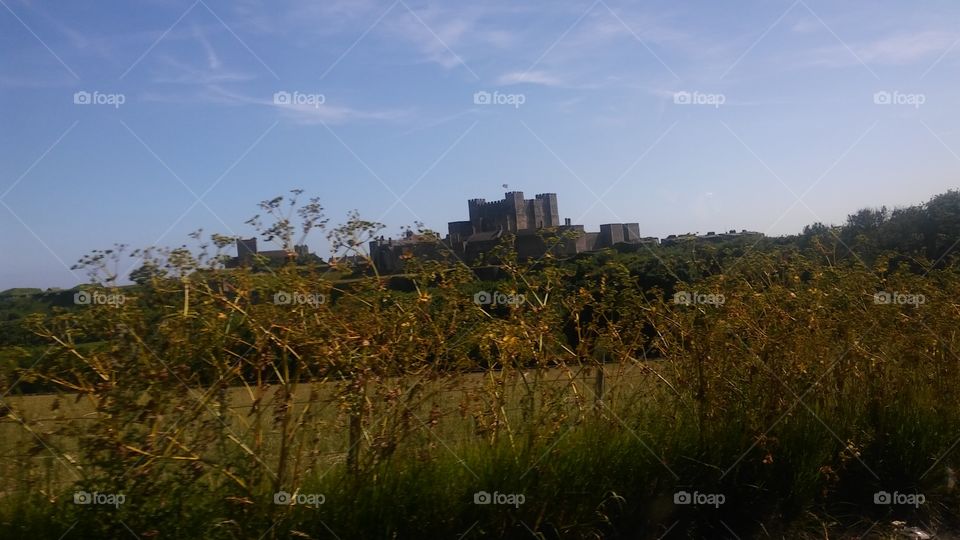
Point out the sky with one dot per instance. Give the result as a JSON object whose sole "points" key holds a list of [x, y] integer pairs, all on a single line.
{"points": [[137, 124]]}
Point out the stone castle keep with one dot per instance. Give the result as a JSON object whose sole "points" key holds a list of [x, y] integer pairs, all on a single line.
{"points": [[534, 224], [529, 221], [512, 214]]}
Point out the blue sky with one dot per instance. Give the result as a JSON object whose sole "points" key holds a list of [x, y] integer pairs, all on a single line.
{"points": [[683, 116]]}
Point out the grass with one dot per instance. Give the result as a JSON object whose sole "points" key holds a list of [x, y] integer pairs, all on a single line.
{"points": [[613, 473], [598, 480], [45, 420], [791, 407]]}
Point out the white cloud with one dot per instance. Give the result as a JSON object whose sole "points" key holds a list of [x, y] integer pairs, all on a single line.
{"points": [[310, 115], [213, 61], [898, 49], [529, 77], [305, 114], [173, 71], [435, 35], [907, 48], [807, 25]]}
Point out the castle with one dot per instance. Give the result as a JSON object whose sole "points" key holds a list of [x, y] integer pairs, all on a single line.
{"points": [[512, 214], [531, 222], [247, 252]]}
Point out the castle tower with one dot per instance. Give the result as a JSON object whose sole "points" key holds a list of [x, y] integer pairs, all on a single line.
{"points": [[246, 248], [546, 206], [514, 211], [476, 207], [610, 234]]}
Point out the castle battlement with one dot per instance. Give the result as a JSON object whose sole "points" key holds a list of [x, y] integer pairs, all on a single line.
{"points": [[513, 213], [490, 221], [528, 222]]}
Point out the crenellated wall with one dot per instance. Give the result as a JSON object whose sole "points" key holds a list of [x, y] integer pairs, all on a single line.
{"points": [[530, 221], [513, 213]]}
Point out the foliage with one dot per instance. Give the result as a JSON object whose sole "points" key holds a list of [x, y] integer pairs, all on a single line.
{"points": [[795, 391]]}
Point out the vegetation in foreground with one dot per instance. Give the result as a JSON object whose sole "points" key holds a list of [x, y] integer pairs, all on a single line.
{"points": [[804, 389]]}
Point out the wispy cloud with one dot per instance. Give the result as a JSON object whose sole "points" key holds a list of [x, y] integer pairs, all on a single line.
{"points": [[530, 77], [606, 48], [333, 114], [303, 114], [213, 61], [807, 25], [170, 70], [435, 34], [897, 49], [907, 48], [432, 123]]}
